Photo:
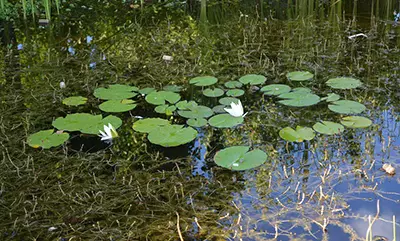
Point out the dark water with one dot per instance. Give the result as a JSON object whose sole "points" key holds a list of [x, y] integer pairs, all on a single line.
{"points": [[323, 189]]}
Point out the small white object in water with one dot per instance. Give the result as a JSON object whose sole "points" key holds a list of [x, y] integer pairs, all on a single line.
{"points": [[357, 35], [51, 229], [235, 164], [236, 110], [389, 169], [62, 85], [109, 133], [167, 57]]}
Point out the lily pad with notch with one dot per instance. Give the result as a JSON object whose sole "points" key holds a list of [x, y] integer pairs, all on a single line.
{"points": [[235, 92], [74, 100], [146, 91], [196, 112], [116, 92], [117, 105], [356, 122], [172, 135], [148, 124], [185, 105], [299, 99], [203, 81], [331, 97], [299, 135], [239, 158], [346, 107], [328, 128], [225, 121], [47, 139], [299, 76], [216, 92], [233, 84], [253, 79], [165, 109], [161, 97], [198, 122], [275, 89], [228, 100], [344, 83]]}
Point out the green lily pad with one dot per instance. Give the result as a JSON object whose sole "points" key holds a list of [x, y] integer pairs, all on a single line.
{"points": [[235, 92], [149, 124], [233, 84], [275, 89], [74, 100], [346, 107], [86, 123], [343, 83], [356, 122], [299, 75], [196, 112], [115, 92], [228, 100], [95, 126], [331, 97], [328, 128], [298, 135], [117, 105], [47, 139], [219, 109], [302, 90], [185, 105], [217, 92], [172, 135], [253, 79], [160, 97], [203, 81], [239, 158], [299, 99], [225, 121], [165, 109], [173, 88], [197, 122], [146, 91]]}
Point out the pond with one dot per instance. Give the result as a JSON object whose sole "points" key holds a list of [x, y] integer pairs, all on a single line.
{"points": [[221, 120]]}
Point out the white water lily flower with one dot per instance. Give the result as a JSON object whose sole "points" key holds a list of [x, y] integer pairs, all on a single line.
{"points": [[109, 133], [236, 110]]}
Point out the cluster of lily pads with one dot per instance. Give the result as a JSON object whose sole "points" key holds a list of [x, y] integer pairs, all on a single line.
{"points": [[121, 98]]}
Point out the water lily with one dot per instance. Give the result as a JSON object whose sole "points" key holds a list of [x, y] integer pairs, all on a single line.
{"points": [[236, 110], [109, 133]]}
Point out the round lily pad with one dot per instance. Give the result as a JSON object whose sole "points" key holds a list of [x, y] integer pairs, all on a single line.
{"points": [[173, 88], [197, 122], [160, 97], [149, 124], [239, 158], [228, 100], [146, 91], [165, 109], [117, 105], [203, 81], [74, 100], [343, 83], [253, 79], [328, 127], [356, 122], [196, 112], [331, 97], [217, 92], [225, 121], [172, 135], [233, 84], [235, 92], [299, 75], [302, 90], [346, 107], [219, 109], [275, 89], [185, 105], [298, 135], [47, 139], [86, 123], [299, 99], [115, 92]]}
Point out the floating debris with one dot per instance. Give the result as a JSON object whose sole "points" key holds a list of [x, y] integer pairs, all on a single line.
{"points": [[167, 57], [389, 169], [357, 35]]}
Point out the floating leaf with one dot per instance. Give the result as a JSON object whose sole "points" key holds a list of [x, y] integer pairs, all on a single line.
{"points": [[115, 92], [235, 92], [228, 100], [346, 107], [253, 79], [165, 109], [299, 75], [225, 121], [185, 105], [328, 127], [302, 90], [331, 97], [219, 109], [172, 135], [117, 105], [239, 158], [95, 126], [146, 91], [149, 124], [47, 139], [298, 135], [299, 99], [196, 112], [173, 88], [86, 123], [389, 169], [217, 92], [160, 97], [74, 100], [197, 122], [356, 122], [343, 83], [203, 81], [233, 84], [275, 89]]}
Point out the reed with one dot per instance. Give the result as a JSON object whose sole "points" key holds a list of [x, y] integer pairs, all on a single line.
{"points": [[24, 8], [47, 8]]}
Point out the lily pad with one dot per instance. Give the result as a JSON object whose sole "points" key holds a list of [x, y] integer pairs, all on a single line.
{"points": [[343, 83], [47, 139], [160, 97], [299, 75], [328, 127], [275, 89], [117, 105], [346, 107], [146, 91], [115, 92], [173, 88], [356, 122], [217, 92], [149, 124], [74, 100], [196, 112], [197, 122], [225, 121], [302, 90], [235, 92], [233, 84], [165, 109], [253, 79], [299, 99], [298, 135], [228, 100], [331, 97], [172, 135], [219, 109], [239, 158], [86, 123], [203, 81], [185, 105]]}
